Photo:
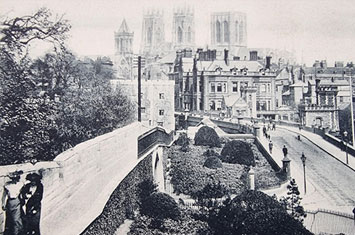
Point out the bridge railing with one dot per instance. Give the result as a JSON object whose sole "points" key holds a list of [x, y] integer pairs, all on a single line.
{"points": [[153, 137]]}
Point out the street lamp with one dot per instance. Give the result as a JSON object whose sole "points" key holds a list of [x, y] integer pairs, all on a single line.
{"points": [[303, 158], [346, 146]]}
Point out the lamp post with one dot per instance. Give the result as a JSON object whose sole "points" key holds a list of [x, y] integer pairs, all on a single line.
{"points": [[346, 146], [303, 158]]}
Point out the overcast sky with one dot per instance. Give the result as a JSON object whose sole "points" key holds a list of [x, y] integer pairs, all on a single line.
{"points": [[314, 29]]}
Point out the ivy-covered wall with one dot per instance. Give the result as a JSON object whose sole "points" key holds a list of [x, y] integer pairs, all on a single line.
{"points": [[123, 201]]}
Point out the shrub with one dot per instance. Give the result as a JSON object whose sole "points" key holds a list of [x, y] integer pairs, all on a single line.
{"points": [[183, 141], [207, 136], [239, 152], [253, 212], [160, 206], [213, 162], [210, 153], [146, 188]]}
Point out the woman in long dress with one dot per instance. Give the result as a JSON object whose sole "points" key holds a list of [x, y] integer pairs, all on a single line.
{"points": [[12, 205], [32, 194]]}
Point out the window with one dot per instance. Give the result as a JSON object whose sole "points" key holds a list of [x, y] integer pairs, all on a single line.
{"points": [[268, 88], [219, 105], [224, 87], [160, 123], [234, 87], [149, 35], [213, 87], [218, 31], [226, 31], [189, 34], [179, 35], [341, 98], [212, 105], [142, 109], [219, 87], [161, 112], [262, 88], [241, 32], [236, 31], [161, 96]]}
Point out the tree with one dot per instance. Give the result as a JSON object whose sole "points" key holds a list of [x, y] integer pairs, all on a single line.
{"points": [[54, 102], [207, 136], [208, 198], [253, 212], [237, 151], [292, 202], [27, 119], [160, 206]]}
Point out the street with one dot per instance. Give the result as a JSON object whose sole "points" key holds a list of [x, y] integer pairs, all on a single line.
{"points": [[332, 179]]}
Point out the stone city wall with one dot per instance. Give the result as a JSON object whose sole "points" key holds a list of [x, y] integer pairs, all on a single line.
{"points": [[78, 182]]}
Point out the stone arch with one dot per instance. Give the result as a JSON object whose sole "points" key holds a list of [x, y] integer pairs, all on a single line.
{"points": [[179, 35], [218, 31], [226, 31], [157, 163]]}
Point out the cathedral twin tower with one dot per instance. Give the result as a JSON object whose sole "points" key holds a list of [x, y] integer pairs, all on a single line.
{"points": [[228, 31]]}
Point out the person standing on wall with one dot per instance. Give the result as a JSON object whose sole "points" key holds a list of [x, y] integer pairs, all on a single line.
{"points": [[284, 150], [11, 204], [33, 193]]}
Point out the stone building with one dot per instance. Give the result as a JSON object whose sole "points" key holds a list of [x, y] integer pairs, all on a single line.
{"points": [[324, 113], [123, 57], [229, 31], [231, 87], [183, 31], [157, 100]]}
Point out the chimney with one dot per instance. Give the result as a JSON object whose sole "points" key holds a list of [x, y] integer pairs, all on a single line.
{"points": [[316, 64], [253, 55], [226, 56], [268, 62], [323, 64]]}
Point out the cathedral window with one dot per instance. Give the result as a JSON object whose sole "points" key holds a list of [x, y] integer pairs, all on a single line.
{"points": [[219, 87], [218, 31], [149, 35], [189, 34], [241, 32], [179, 35], [234, 86], [159, 35], [226, 31], [236, 31]]}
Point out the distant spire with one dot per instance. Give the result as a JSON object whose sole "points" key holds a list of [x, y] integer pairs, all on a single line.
{"points": [[123, 27]]}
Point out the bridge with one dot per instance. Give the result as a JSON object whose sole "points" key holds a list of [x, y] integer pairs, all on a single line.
{"points": [[80, 181]]}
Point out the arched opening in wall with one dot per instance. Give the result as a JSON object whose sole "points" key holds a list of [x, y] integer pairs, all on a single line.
{"points": [[158, 173], [218, 31], [149, 35], [241, 32], [189, 39], [236, 31], [226, 31], [179, 35]]}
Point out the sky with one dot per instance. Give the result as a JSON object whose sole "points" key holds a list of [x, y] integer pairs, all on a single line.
{"points": [[312, 29]]}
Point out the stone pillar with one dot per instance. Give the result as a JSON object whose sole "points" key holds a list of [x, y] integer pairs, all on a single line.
{"points": [[251, 174], [286, 166], [257, 131]]}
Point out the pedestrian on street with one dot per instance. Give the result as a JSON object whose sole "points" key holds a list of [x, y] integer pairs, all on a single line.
{"points": [[264, 131], [274, 126], [284, 150], [270, 146]]}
